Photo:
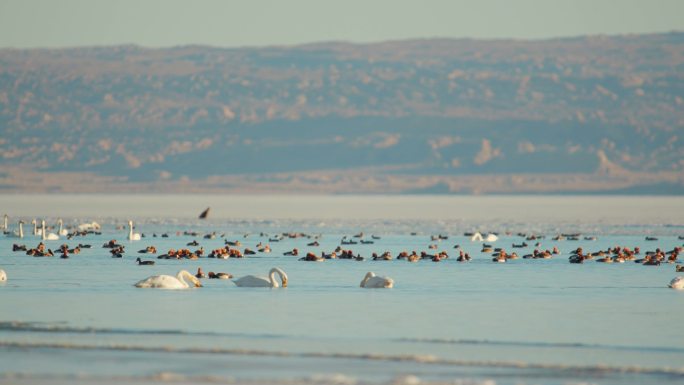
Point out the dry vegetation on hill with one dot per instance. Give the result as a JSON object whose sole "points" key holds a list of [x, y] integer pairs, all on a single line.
{"points": [[567, 115]]}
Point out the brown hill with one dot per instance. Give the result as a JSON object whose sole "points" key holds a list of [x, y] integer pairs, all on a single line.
{"points": [[440, 115]]}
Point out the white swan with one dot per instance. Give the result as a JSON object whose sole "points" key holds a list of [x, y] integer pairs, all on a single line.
{"points": [[491, 238], [477, 237], [3, 275], [131, 235], [35, 227], [19, 233], [677, 283], [89, 226], [371, 281], [62, 231], [45, 235], [254, 281], [169, 281]]}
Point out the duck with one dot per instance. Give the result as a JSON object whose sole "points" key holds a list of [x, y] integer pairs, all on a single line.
{"points": [[606, 259], [220, 275], [311, 257], [200, 273], [371, 281], [169, 281], [679, 268], [256, 281], [131, 235], [141, 262], [677, 283]]}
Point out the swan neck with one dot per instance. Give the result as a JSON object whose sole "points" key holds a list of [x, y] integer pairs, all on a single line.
{"points": [[61, 224], [281, 274], [366, 278], [185, 274], [21, 230], [271, 277], [181, 277], [42, 226]]}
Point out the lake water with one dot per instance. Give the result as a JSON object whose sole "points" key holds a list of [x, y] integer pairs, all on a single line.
{"points": [[80, 320]]}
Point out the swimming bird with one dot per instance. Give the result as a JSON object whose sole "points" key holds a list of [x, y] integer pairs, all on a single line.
{"points": [[311, 257], [371, 281], [45, 235], [169, 282], [19, 233], [200, 273], [491, 238], [676, 283], [220, 275], [62, 231], [254, 281], [679, 268], [3, 275], [35, 227], [141, 262], [131, 235], [89, 226]]}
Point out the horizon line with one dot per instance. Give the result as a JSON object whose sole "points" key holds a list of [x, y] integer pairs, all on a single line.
{"points": [[349, 42]]}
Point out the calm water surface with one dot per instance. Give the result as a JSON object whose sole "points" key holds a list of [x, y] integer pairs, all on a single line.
{"points": [[526, 321]]}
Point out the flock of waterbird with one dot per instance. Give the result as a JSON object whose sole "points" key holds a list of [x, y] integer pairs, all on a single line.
{"points": [[185, 280]]}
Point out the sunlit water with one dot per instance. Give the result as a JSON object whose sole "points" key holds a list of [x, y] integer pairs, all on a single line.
{"points": [[526, 321]]}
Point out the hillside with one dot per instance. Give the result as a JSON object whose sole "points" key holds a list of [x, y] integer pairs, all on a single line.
{"points": [[593, 114]]}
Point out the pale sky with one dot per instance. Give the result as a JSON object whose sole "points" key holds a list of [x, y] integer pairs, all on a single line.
{"points": [[233, 23]]}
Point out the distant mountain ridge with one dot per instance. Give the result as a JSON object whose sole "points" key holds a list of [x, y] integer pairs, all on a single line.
{"points": [[570, 115]]}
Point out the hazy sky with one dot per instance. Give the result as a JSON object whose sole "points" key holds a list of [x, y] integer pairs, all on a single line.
{"points": [[59, 23]]}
